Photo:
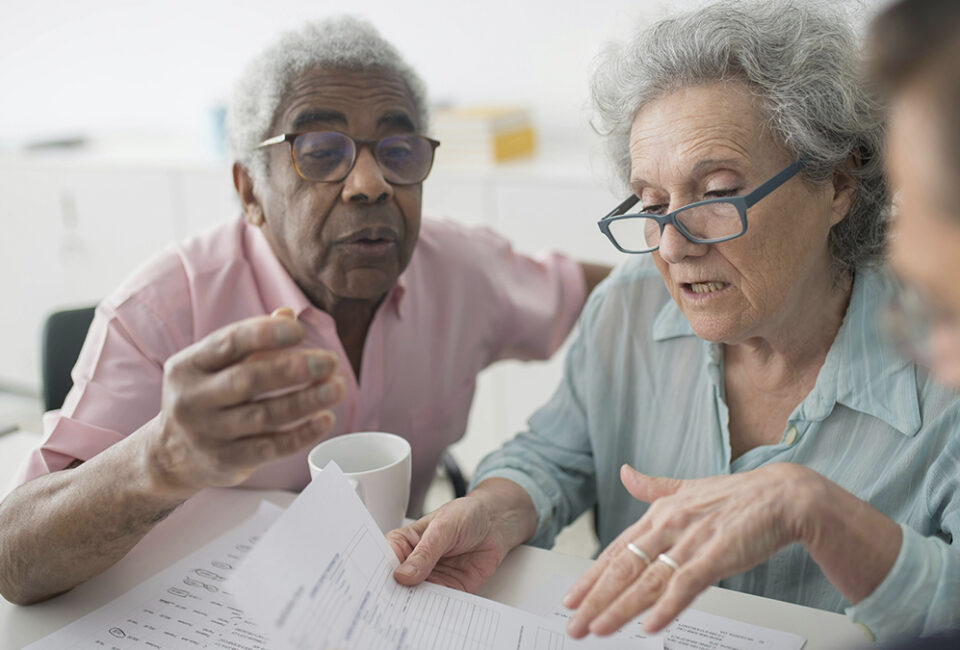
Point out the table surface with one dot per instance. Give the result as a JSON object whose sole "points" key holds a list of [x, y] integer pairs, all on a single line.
{"points": [[213, 512]]}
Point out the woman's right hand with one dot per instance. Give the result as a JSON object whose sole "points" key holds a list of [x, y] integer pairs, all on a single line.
{"points": [[462, 543]]}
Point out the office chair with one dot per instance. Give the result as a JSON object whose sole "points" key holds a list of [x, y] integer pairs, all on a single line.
{"points": [[63, 336]]}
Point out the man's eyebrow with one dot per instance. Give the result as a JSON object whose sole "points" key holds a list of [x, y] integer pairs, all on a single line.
{"points": [[398, 120], [313, 117]]}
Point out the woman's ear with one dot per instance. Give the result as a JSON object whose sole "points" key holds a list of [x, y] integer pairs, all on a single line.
{"points": [[845, 187], [242, 181]]}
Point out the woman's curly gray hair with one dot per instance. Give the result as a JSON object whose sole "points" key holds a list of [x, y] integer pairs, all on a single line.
{"points": [[801, 58], [340, 43]]}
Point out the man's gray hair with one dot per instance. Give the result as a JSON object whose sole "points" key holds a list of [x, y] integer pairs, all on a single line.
{"points": [[801, 59], [340, 43]]}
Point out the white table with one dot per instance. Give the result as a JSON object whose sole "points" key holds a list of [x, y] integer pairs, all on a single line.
{"points": [[212, 512]]}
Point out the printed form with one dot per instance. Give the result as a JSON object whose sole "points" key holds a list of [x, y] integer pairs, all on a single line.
{"points": [[334, 588], [184, 606], [693, 629]]}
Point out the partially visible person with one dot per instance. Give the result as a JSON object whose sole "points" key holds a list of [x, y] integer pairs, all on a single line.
{"points": [[914, 54], [916, 59], [383, 320], [768, 437]]}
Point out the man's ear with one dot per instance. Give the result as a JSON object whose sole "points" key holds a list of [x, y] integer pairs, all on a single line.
{"points": [[845, 187], [252, 210]]}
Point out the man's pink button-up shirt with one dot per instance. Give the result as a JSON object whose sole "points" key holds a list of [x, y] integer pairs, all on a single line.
{"points": [[465, 300]]}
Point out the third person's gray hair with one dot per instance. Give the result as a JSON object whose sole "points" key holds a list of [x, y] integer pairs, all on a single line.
{"points": [[802, 59]]}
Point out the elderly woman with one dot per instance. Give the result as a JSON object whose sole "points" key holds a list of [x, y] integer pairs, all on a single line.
{"points": [[774, 441]]}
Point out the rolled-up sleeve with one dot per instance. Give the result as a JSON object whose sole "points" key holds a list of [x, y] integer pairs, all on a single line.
{"points": [[921, 593], [553, 459], [116, 384]]}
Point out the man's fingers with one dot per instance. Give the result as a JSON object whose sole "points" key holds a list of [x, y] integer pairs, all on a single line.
{"points": [[647, 488], [264, 373], [259, 449], [278, 413], [232, 343]]}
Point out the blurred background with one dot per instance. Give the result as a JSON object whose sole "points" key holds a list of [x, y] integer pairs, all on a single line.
{"points": [[111, 146]]}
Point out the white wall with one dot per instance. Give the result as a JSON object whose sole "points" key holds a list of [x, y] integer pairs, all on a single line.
{"points": [[76, 66]]}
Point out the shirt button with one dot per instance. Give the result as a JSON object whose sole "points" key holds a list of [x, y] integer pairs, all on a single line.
{"points": [[791, 436]]}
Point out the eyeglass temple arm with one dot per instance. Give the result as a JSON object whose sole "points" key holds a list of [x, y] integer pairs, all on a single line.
{"points": [[623, 207], [775, 182], [283, 137]]}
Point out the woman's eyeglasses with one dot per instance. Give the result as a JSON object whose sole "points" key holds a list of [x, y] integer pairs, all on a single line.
{"points": [[704, 222]]}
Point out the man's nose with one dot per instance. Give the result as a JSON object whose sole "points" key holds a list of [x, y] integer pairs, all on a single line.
{"points": [[674, 246], [365, 182]]}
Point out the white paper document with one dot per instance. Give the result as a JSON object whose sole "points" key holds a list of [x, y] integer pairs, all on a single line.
{"points": [[184, 606], [693, 629], [322, 577]]}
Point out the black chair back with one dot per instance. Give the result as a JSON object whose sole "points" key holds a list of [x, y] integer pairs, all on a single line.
{"points": [[63, 336]]}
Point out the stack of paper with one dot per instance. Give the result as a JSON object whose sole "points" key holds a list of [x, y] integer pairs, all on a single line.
{"points": [[483, 135], [320, 576]]}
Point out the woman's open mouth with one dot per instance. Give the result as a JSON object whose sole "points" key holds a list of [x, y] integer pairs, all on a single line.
{"points": [[703, 290]]}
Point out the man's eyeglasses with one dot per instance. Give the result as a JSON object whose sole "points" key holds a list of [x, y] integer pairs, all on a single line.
{"points": [[329, 156], [704, 222]]}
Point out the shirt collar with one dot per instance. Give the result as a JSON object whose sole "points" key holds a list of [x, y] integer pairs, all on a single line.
{"points": [[276, 286], [863, 371]]}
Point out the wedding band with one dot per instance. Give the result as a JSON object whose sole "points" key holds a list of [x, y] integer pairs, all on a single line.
{"points": [[636, 550], [669, 561]]}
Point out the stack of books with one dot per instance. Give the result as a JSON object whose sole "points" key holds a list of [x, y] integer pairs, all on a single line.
{"points": [[483, 135]]}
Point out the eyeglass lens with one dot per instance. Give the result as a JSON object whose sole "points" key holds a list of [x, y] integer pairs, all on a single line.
{"points": [[705, 222], [329, 156]]}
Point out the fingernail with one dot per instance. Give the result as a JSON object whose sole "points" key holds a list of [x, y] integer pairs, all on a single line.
{"points": [[286, 332], [313, 367], [407, 570], [567, 601], [327, 392], [575, 627], [601, 625]]}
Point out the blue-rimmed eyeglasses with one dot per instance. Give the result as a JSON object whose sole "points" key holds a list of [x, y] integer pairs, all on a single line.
{"points": [[329, 156], [704, 222]]}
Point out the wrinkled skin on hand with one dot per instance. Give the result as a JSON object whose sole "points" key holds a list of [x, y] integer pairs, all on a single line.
{"points": [[713, 528]]}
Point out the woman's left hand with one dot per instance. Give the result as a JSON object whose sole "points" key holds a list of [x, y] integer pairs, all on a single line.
{"points": [[711, 528]]}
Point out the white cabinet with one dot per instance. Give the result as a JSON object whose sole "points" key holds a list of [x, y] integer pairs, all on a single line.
{"points": [[71, 234]]}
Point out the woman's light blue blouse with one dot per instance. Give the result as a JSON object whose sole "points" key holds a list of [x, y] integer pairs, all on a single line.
{"points": [[639, 387]]}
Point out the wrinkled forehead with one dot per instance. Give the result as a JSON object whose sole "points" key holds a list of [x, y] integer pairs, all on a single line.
{"points": [[353, 99], [685, 126]]}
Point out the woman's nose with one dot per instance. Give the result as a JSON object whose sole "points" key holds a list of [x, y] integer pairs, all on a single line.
{"points": [[674, 246]]}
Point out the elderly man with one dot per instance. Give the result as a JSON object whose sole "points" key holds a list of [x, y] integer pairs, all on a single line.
{"points": [[380, 320]]}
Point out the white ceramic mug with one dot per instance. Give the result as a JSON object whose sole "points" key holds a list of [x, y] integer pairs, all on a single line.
{"points": [[378, 466]]}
